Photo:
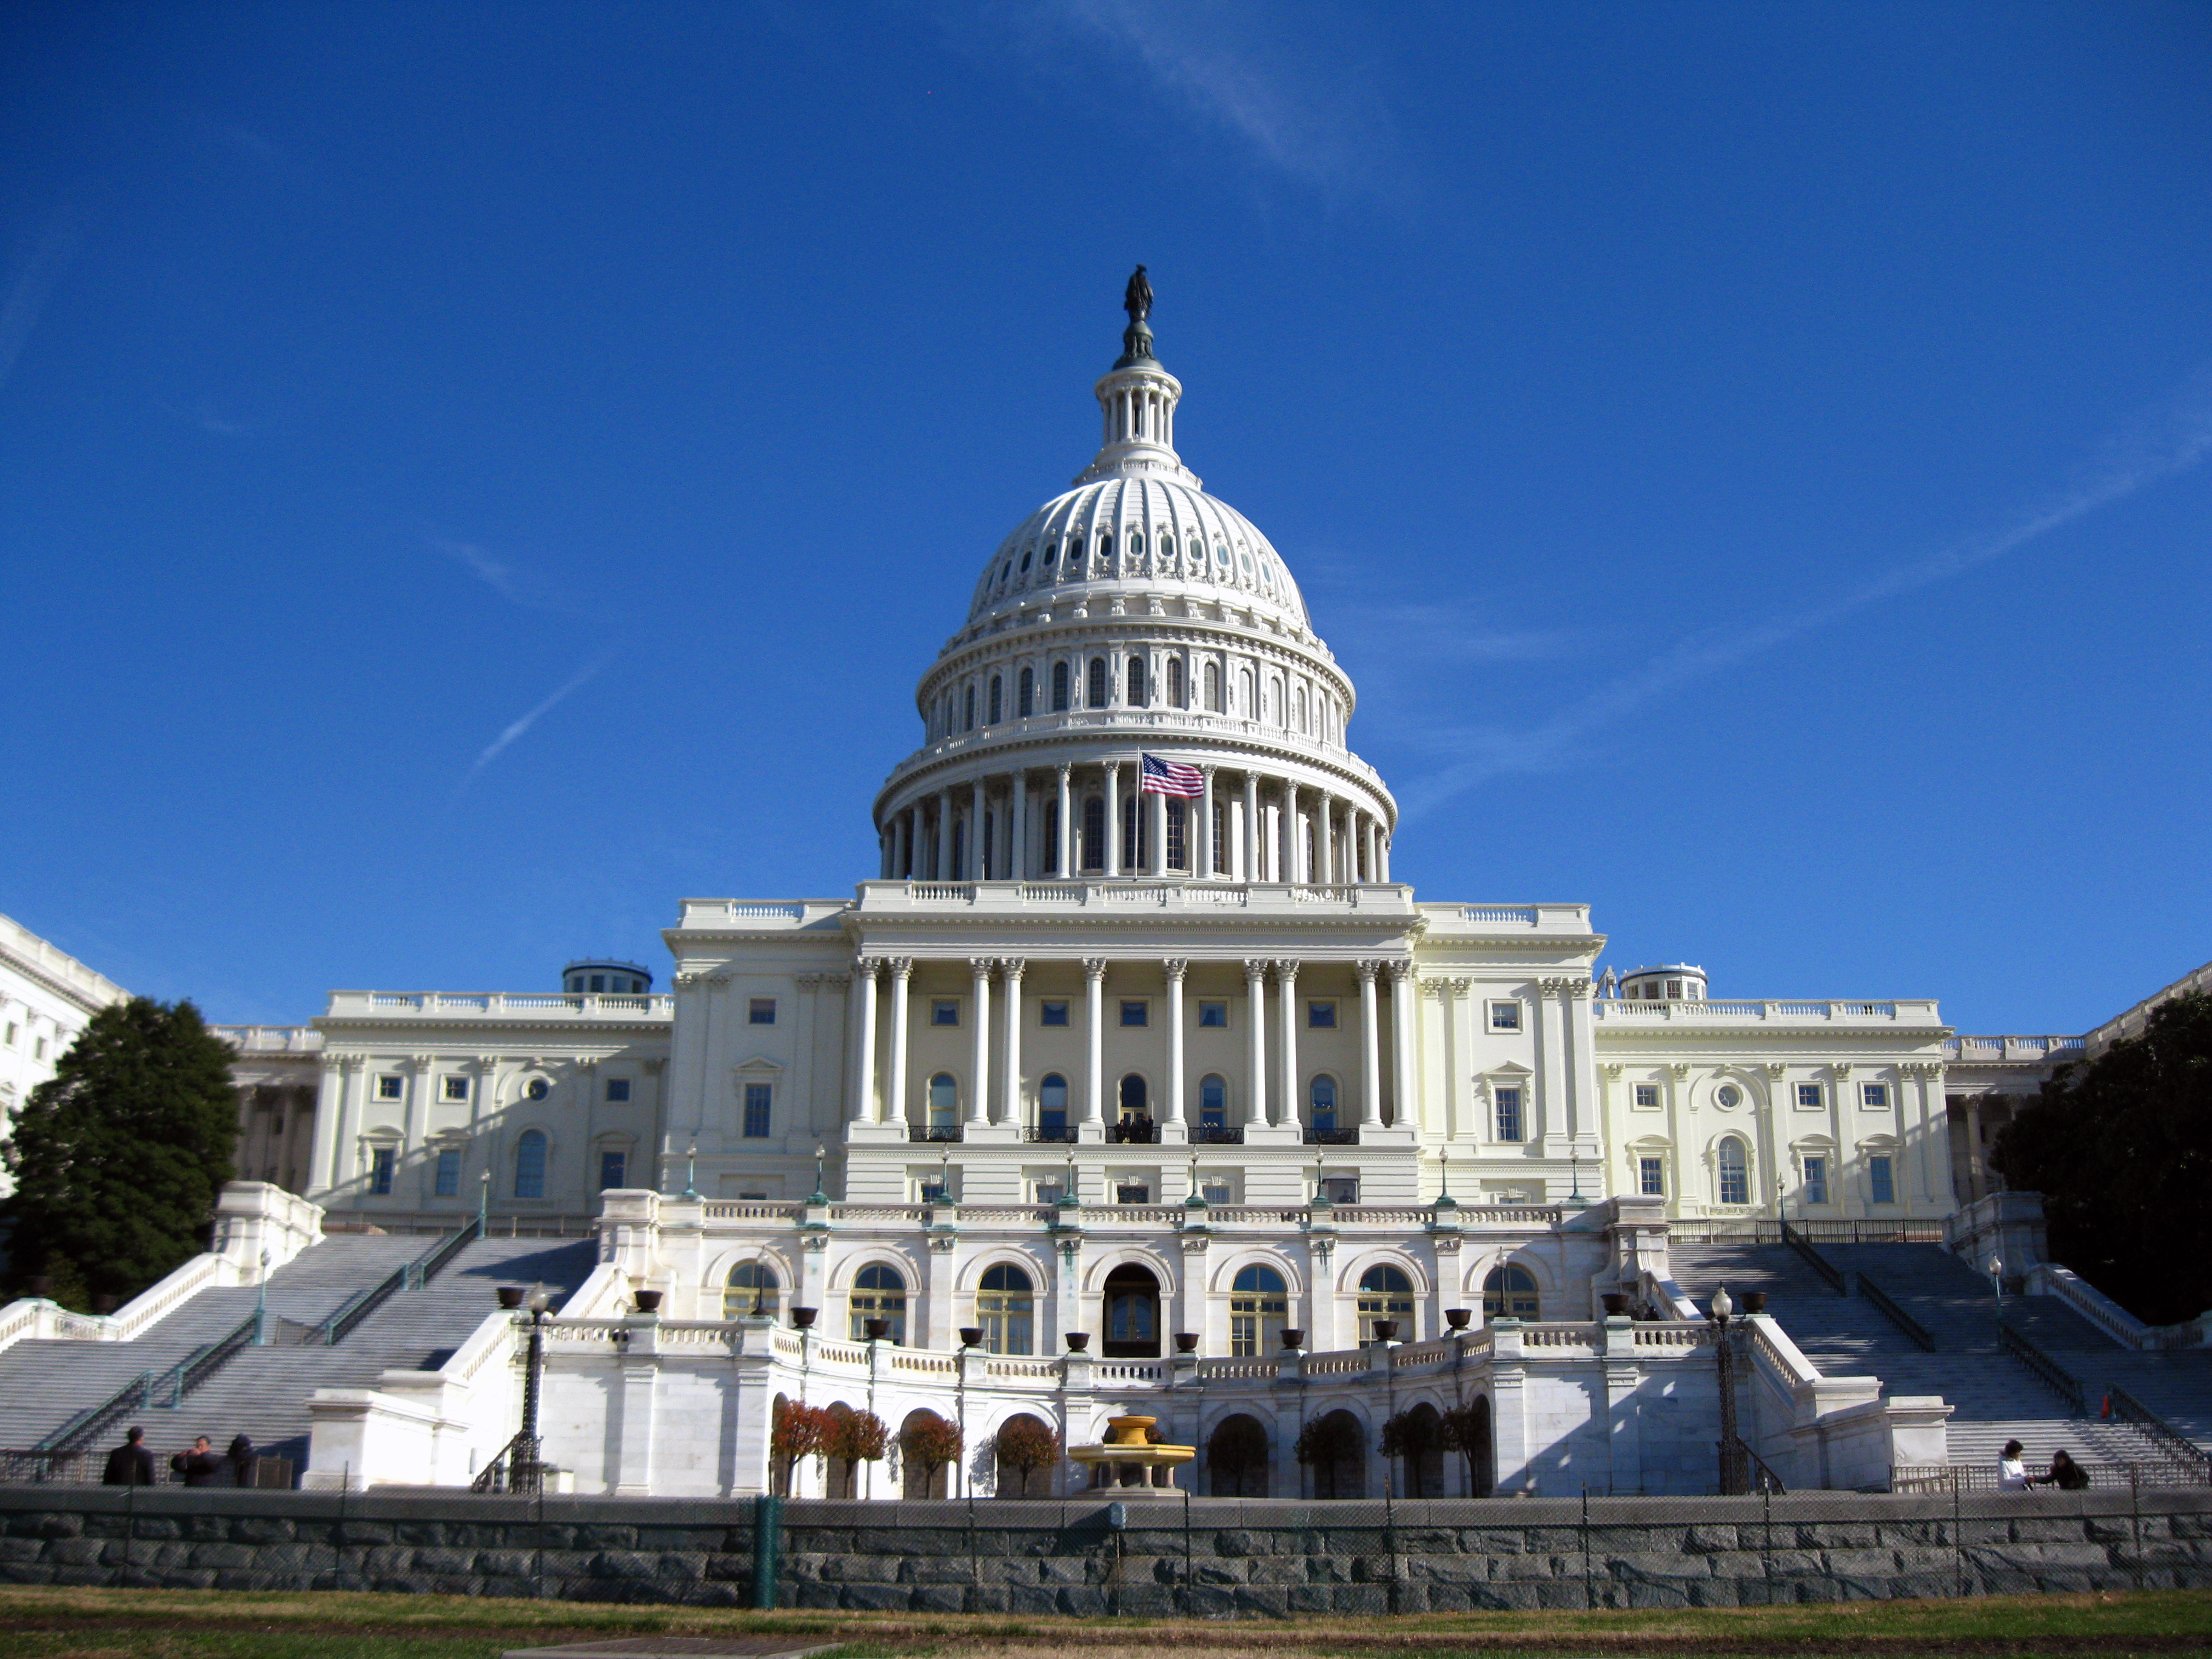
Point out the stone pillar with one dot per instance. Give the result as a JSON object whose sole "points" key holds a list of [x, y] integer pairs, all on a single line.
{"points": [[1064, 830], [1094, 1037], [940, 851], [979, 863], [1176, 967], [1371, 1056], [979, 1084], [895, 1085], [1286, 985], [1383, 853], [1158, 804], [1256, 1041], [1978, 1187], [1289, 852], [1009, 1088], [1325, 840], [1247, 847], [1018, 827], [863, 1039], [1113, 771], [333, 1122], [1405, 1108], [1202, 851], [640, 1373]]}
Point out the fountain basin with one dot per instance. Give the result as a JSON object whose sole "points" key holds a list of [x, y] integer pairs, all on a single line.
{"points": [[1130, 1462]]}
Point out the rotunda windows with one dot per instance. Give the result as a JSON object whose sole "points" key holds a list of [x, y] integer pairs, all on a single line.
{"points": [[1136, 683], [1099, 688], [995, 714], [1059, 675], [1027, 553], [1025, 696]]}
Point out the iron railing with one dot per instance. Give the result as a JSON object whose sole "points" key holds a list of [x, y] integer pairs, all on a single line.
{"points": [[2178, 1448], [933, 1134], [435, 1261], [202, 1363], [1969, 1478], [94, 1420], [1218, 1134], [514, 1467], [1054, 1134], [2048, 1370], [1133, 1132], [1920, 1336], [1813, 1259], [1332, 1136]]}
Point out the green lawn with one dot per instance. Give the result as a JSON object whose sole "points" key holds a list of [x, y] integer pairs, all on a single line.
{"points": [[40, 1623]]}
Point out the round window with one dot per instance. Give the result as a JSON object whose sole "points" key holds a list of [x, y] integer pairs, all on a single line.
{"points": [[1729, 1095], [536, 1089]]}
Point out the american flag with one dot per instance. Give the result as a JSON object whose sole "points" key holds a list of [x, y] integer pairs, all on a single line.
{"points": [[1161, 777]]}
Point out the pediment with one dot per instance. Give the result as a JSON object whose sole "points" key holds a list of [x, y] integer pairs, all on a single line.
{"points": [[758, 1066]]}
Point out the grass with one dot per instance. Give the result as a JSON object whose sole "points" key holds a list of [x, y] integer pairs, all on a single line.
{"points": [[45, 1623]]}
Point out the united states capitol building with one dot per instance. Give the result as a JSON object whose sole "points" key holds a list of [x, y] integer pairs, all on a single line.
{"points": [[1101, 1096]]}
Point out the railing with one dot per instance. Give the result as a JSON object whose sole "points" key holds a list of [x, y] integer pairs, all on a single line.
{"points": [[28, 1467], [934, 1134], [501, 1004], [1966, 1478], [1625, 1008], [1332, 1136], [879, 1212], [1050, 1135], [2010, 1047], [1757, 1476], [357, 1307], [1216, 1135], [1921, 1337], [748, 1210], [1762, 1230], [2092, 1304], [433, 1262], [195, 1368], [95, 1421], [2048, 1370], [1500, 915], [514, 1467], [2177, 1446], [1133, 1132], [1812, 1258]]}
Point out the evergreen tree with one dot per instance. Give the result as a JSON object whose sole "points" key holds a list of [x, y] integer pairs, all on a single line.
{"points": [[117, 1159], [2121, 1149]]}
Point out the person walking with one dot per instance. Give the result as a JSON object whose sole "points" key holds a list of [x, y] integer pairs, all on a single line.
{"points": [[199, 1466], [2012, 1474], [244, 1461], [129, 1464]]}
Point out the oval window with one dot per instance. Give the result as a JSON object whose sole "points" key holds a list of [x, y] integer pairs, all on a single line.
{"points": [[536, 1089], [1220, 553], [1729, 1095], [1026, 556]]}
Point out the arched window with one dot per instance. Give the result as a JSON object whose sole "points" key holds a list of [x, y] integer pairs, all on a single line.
{"points": [[1094, 833], [1735, 1173], [1025, 695], [1026, 553], [1134, 1101], [752, 1289], [1136, 853], [1106, 546], [1004, 1303], [1385, 1292], [1510, 1292], [1052, 1105], [1213, 1101], [996, 713], [1213, 688], [1258, 1310], [1245, 706], [1321, 1092], [1097, 698], [943, 1102], [1302, 725], [877, 1292], [1059, 688], [530, 1165], [1132, 1314], [971, 724], [1175, 682], [1136, 683]]}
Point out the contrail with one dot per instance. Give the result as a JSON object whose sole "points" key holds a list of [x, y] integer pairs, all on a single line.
{"points": [[500, 743], [2150, 449], [28, 298]]}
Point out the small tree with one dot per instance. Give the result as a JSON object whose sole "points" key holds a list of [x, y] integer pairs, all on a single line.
{"points": [[1411, 1437], [1025, 1445], [1466, 1430], [928, 1443], [1325, 1445], [1238, 1455], [799, 1431], [119, 1155], [855, 1439]]}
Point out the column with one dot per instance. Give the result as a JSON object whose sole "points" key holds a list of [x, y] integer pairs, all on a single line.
{"points": [[886, 849], [1201, 854], [1371, 1058], [1289, 850], [1977, 1183], [1255, 1038], [1248, 844], [1176, 967], [1093, 1021], [1018, 827], [899, 845], [1063, 830], [979, 1086], [1286, 985], [1405, 1108], [1009, 1088], [1157, 805], [1352, 864], [894, 1084], [1325, 840], [864, 1074], [1113, 769], [1383, 845], [979, 868], [941, 855]]}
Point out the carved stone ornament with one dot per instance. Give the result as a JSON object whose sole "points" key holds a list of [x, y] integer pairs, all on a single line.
{"points": [[1367, 968], [900, 966], [1255, 968], [1613, 1068], [1400, 971], [1842, 1068], [1012, 968], [1775, 1069], [1439, 990], [1094, 967], [815, 1242], [1176, 967], [808, 982], [1195, 1243], [1447, 1243], [1680, 1068], [944, 1244]]}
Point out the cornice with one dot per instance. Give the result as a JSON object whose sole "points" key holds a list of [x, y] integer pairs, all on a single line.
{"points": [[72, 994]]}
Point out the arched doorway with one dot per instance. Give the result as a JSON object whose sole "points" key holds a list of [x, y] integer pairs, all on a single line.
{"points": [[1025, 1452], [1334, 1449], [1481, 1451], [840, 1479], [1132, 1313], [917, 1478], [1510, 1292], [1425, 1465], [1236, 1458]]}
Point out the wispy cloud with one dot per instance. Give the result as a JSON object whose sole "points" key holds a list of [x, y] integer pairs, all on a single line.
{"points": [[511, 582], [2154, 446], [33, 285], [500, 744], [1425, 636]]}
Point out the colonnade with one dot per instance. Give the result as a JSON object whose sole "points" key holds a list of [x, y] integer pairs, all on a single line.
{"points": [[1005, 1104], [1001, 827]]}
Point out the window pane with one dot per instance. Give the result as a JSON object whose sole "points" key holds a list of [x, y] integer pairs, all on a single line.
{"points": [[1651, 1177], [448, 1183], [1816, 1180], [1133, 1013], [611, 1166], [1321, 1015], [1213, 1014], [1884, 1189], [761, 1012], [945, 1011], [1052, 1013], [1509, 1114], [756, 1111], [530, 1166]]}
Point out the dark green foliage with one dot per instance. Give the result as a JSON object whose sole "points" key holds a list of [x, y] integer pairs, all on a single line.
{"points": [[117, 1159], [2121, 1149], [1331, 1447]]}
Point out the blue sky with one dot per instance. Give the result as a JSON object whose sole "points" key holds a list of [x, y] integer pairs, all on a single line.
{"points": [[1747, 456]]}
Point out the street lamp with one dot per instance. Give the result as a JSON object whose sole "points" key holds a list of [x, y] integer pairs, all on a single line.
{"points": [[524, 1472], [1732, 1467], [820, 1196], [691, 1173], [261, 1305], [483, 1204], [1996, 1283]]}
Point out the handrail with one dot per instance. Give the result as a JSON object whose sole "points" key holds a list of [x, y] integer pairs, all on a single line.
{"points": [[2047, 1369], [1813, 1259], [435, 1261], [87, 1424], [354, 1309], [513, 1467], [2177, 1446], [1921, 1337], [1762, 1478], [203, 1362]]}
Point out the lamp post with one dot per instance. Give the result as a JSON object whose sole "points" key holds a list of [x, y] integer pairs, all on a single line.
{"points": [[691, 1173], [484, 1205], [1732, 1469], [261, 1305], [820, 1196], [525, 1470], [1997, 1284]]}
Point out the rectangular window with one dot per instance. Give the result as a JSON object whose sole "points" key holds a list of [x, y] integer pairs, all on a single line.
{"points": [[933, 1192], [613, 1167], [380, 1163], [1875, 1095], [1321, 1015], [1213, 1014], [1129, 1192], [1509, 1114], [12, 1030], [1504, 1015], [1341, 1189], [1135, 1013], [445, 1178], [1051, 1192], [38, 1048], [761, 1010], [1647, 1096], [1808, 1095], [618, 1091], [456, 1088], [1215, 1192], [1651, 1176], [1816, 1180], [391, 1086], [756, 1100], [945, 1011], [1052, 1013], [1880, 1185]]}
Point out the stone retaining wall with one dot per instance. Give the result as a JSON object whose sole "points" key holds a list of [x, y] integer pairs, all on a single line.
{"points": [[1216, 1557]]}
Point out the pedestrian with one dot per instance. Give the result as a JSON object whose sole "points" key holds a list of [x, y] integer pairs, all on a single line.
{"points": [[199, 1466], [244, 1461], [2012, 1474], [129, 1464], [2065, 1473]]}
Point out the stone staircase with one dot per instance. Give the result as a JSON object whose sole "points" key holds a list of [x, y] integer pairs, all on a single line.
{"points": [[263, 1392], [1995, 1397]]}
